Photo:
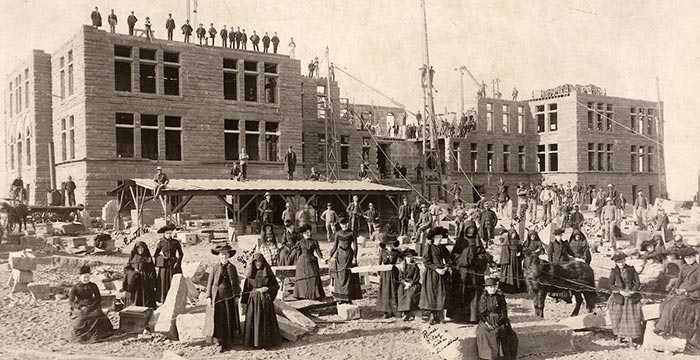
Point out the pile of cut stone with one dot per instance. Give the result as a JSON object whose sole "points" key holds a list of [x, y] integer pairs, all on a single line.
{"points": [[22, 265]]}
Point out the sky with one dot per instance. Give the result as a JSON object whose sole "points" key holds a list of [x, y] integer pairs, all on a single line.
{"points": [[621, 46]]}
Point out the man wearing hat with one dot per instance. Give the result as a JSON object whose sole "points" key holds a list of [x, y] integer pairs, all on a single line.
{"points": [[662, 221], [290, 163], [222, 320], [161, 181], [608, 217], [372, 217], [288, 214], [487, 223], [305, 216], [641, 206], [266, 209], [330, 218], [425, 222], [612, 194], [404, 217], [168, 259], [547, 197], [576, 218], [354, 211]]}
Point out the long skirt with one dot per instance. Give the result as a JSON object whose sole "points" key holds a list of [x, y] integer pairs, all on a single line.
{"points": [[679, 316], [261, 327], [408, 299], [512, 275], [308, 279], [88, 326], [492, 345], [165, 277], [347, 284], [626, 319], [463, 304], [387, 299], [227, 322], [434, 292], [143, 295]]}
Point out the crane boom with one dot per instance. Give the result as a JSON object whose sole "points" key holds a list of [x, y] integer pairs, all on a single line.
{"points": [[471, 75]]}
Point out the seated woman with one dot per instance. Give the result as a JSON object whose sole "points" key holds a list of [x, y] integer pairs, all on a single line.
{"points": [[408, 292], [308, 275], [267, 244], [222, 320], [651, 276], [495, 338], [89, 323], [680, 312], [624, 307], [259, 292], [140, 280], [387, 298]]}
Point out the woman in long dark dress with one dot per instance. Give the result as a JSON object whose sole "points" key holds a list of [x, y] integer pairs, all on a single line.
{"points": [[468, 278], [559, 252], [680, 311], [347, 284], [88, 323], [579, 246], [408, 292], [259, 293], [495, 338], [169, 262], [435, 279], [624, 306], [222, 320], [289, 251], [387, 298], [140, 279], [512, 278], [533, 245], [308, 275]]}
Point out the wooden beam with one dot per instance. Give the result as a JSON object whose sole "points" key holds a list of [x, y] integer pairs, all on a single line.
{"points": [[310, 199], [345, 205], [182, 204], [223, 200], [370, 268], [248, 203], [363, 199], [294, 315], [392, 202]]}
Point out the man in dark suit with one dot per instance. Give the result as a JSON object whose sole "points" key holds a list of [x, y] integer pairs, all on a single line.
{"points": [[404, 217], [275, 42], [212, 33], [231, 38], [266, 42], [187, 31], [267, 210], [170, 26], [244, 40], [96, 18], [354, 211], [224, 36], [255, 39], [201, 34], [112, 21], [131, 21], [238, 37], [290, 163]]}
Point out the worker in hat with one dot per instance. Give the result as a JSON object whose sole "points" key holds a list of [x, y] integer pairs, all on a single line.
{"points": [[425, 222], [624, 307], [404, 217], [355, 212], [330, 218], [495, 338], [641, 207], [161, 180], [372, 217], [266, 209], [168, 258], [288, 213], [609, 217]]}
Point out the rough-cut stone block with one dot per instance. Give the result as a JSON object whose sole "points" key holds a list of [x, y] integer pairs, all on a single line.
{"points": [[44, 229], [19, 287], [175, 303], [108, 298], [247, 242], [71, 228], [349, 311], [31, 241], [651, 311], [39, 291], [190, 327], [159, 223], [294, 315], [54, 240], [456, 341], [106, 285], [289, 330], [134, 318], [584, 321], [21, 262], [22, 276], [188, 238], [169, 355], [192, 292], [74, 241], [652, 341], [403, 239], [197, 271]]}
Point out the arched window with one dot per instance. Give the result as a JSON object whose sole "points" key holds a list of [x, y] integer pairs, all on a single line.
{"points": [[28, 145], [19, 150], [12, 152]]}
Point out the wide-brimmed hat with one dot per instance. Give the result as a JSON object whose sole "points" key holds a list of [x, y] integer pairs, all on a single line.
{"points": [[223, 249], [558, 231], [438, 230], [619, 256], [490, 282], [687, 251], [267, 194], [168, 227]]}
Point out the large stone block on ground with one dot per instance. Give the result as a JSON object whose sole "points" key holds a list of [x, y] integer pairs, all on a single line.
{"points": [[652, 341], [22, 261], [12, 239], [289, 330], [247, 242], [71, 228], [74, 241], [349, 311], [651, 311], [190, 327], [584, 321], [134, 318], [18, 287], [44, 229], [457, 341], [22, 276], [31, 241], [546, 233], [197, 271], [39, 291], [294, 315], [175, 303], [188, 238], [403, 239]]}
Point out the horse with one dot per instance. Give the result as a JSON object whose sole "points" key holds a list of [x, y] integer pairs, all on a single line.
{"points": [[16, 215], [543, 277]]}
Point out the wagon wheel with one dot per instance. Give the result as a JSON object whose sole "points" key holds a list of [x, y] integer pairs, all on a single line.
{"points": [[11, 227]]}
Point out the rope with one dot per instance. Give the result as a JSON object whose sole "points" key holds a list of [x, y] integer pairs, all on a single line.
{"points": [[620, 124]]}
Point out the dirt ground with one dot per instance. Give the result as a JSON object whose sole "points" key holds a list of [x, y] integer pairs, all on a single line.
{"points": [[31, 329]]}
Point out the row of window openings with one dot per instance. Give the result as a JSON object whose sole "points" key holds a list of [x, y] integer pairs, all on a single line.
{"points": [[601, 158], [344, 150], [62, 73], [490, 156], [15, 104], [18, 146], [505, 123], [547, 121]]}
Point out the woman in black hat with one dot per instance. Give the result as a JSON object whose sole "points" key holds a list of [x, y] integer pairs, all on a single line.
{"points": [[88, 323], [533, 245], [512, 264], [259, 292], [436, 280], [624, 308], [308, 275], [140, 280], [169, 262], [347, 284], [267, 244], [222, 320], [559, 252], [289, 251], [680, 312], [387, 298], [408, 292], [468, 278], [579, 246], [495, 338]]}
